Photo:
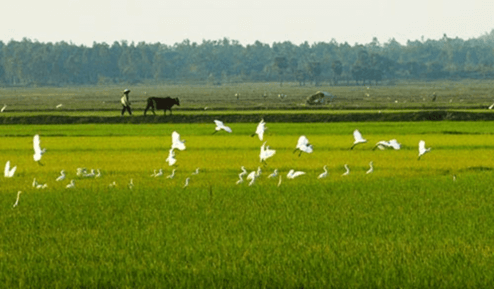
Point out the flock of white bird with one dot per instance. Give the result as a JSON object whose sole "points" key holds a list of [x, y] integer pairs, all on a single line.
{"points": [[303, 146]]}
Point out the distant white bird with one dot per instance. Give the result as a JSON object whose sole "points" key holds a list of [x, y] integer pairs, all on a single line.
{"points": [[35, 183], [177, 143], [112, 185], [371, 168], [274, 174], [240, 176], [42, 186], [59, 106], [186, 182], [258, 172], [81, 172], [491, 106], [293, 174], [347, 171], [91, 174], [422, 149], [3, 108], [279, 182], [17, 200], [252, 177], [385, 144], [358, 138], [261, 127], [171, 160], [131, 184], [265, 153], [303, 145], [172, 174], [61, 177], [98, 174], [38, 152], [8, 172], [159, 173], [221, 126], [281, 96], [196, 172], [324, 174]]}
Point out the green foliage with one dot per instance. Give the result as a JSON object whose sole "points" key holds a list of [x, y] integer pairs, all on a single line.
{"points": [[406, 225]]}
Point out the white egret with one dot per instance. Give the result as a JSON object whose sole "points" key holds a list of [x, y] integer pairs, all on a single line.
{"points": [[387, 144], [324, 174], [159, 173], [177, 143], [258, 172], [38, 152], [17, 200], [279, 182], [293, 174], [61, 177], [3, 108], [371, 168], [252, 177], [171, 160], [422, 149], [274, 174], [261, 127], [303, 145], [112, 185], [347, 171], [172, 174], [358, 138], [131, 184], [266, 153], [81, 172], [186, 182], [196, 172], [98, 174], [91, 174], [8, 172], [491, 106], [59, 106], [221, 126], [35, 183], [41, 186], [70, 185], [240, 176]]}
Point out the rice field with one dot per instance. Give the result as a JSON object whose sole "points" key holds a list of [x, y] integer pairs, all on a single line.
{"points": [[409, 224]]}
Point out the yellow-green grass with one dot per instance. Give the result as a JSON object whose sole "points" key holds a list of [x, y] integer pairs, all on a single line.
{"points": [[406, 225]]}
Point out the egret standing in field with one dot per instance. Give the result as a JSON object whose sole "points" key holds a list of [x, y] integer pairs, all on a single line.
{"points": [[274, 174], [266, 153], [385, 144], [17, 200], [279, 182], [38, 152], [221, 126], [172, 175], [358, 138], [347, 171], [186, 182], [422, 149], [159, 173], [196, 171], [241, 175], [61, 177], [177, 143], [70, 185], [293, 174], [8, 172], [324, 174], [131, 184], [371, 168], [261, 127], [303, 145], [252, 177]]}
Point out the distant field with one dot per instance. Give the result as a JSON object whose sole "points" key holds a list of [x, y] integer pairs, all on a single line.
{"points": [[402, 95], [409, 224]]}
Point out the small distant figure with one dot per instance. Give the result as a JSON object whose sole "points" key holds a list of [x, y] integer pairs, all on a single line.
{"points": [[237, 95], [434, 97], [3, 108], [125, 102]]}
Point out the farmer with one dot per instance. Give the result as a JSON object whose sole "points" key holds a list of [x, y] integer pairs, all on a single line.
{"points": [[125, 102]]}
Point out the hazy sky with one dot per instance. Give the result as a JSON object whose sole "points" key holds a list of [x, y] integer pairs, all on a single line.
{"points": [[169, 22]]}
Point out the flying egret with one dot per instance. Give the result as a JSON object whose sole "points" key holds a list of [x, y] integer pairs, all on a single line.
{"points": [[171, 160], [347, 171], [358, 138], [324, 174], [261, 127], [221, 126], [177, 143], [387, 144], [186, 182], [371, 168], [3, 108], [8, 172], [293, 174], [172, 174], [59, 106], [303, 145], [196, 172], [274, 174], [17, 200], [38, 152], [422, 149], [252, 177], [266, 153], [61, 177]]}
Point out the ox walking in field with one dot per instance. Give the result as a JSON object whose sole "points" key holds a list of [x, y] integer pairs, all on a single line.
{"points": [[164, 103]]}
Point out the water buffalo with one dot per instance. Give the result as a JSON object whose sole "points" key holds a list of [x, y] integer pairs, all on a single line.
{"points": [[164, 103]]}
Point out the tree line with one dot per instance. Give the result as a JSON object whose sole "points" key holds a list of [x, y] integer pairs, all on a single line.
{"points": [[27, 62]]}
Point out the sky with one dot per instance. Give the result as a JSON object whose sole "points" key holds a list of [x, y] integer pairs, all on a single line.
{"points": [[83, 22]]}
